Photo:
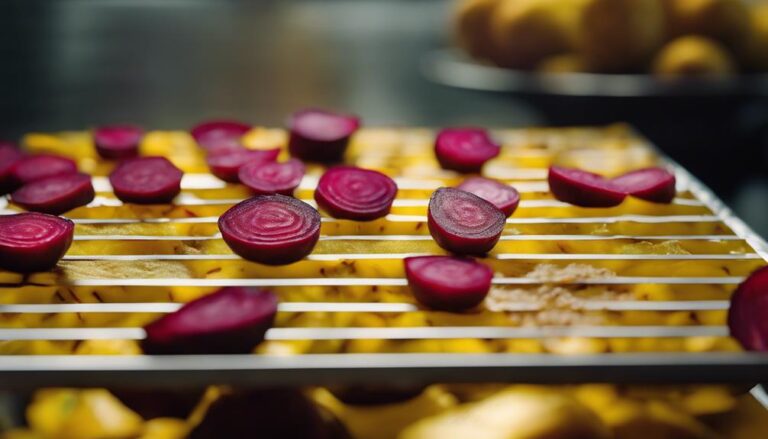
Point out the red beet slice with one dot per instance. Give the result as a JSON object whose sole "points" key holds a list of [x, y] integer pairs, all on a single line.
{"points": [[230, 321], [582, 188], [319, 135], [650, 184], [33, 241], [9, 156], [146, 180], [219, 133], [55, 195], [448, 283], [748, 314], [118, 142], [271, 229], [272, 178], [464, 223], [465, 149], [501, 195], [37, 167], [353, 193], [225, 162]]}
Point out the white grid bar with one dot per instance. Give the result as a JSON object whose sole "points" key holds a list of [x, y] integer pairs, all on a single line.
{"points": [[355, 281], [397, 256], [365, 307], [393, 333]]}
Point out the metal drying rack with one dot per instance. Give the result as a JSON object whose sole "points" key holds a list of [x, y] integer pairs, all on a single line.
{"points": [[31, 371]]}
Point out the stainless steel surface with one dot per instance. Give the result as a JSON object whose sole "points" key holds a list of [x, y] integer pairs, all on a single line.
{"points": [[247, 370], [453, 68], [31, 371]]}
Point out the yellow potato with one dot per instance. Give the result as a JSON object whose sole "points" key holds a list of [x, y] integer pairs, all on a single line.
{"points": [[619, 35], [693, 56], [723, 20], [565, 63], [521, 412], [528, 31], [82, 414], [472, 24], [756, 47]]}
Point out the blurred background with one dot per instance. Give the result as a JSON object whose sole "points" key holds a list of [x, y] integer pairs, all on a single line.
{"points": [[692, 84]]}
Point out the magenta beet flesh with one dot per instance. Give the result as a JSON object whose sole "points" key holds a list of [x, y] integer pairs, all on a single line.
{"points": [[748, 314], [37, 167], [118, 142], [55, 195], [230, 321], [582, 188], [464, 149], [271, 229], [33, 241], [219, 133], [225, 162], [501, 195], [146, 180], [319, 135], [272, 177], [9, 156], [650, 184], [353, 193], [464, 223], [448, 283]]}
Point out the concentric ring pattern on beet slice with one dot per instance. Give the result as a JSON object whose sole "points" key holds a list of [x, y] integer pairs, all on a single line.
{"points": [[464, 223], [273, 177], [464, 149], [33, 241], [117, 142], [582, 188], [146, 180], [9, 156], [748, 314], [501, 195], [358, 194], [55, 195], [37, 167], [271, 229], [651, 184], [225, 162], [219, 133], [230, 321], [320, 135], [448, 283]]}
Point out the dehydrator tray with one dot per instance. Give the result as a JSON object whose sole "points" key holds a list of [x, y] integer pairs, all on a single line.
{"points": [[636, 293]]}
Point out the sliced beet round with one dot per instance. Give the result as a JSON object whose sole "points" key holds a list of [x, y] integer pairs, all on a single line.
{"points": [[118, 142], [37, 167], [650, 184], [465, 149], [354, 193], [214, 133], [9, 156], [146, 180], [230, 321], [320, 135], [748, 314], [501, 195], [33, 241], [225, 162], [55, 195], [271, 229], [464, 223], [582, 188], [447, 282], [272, 177]]}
